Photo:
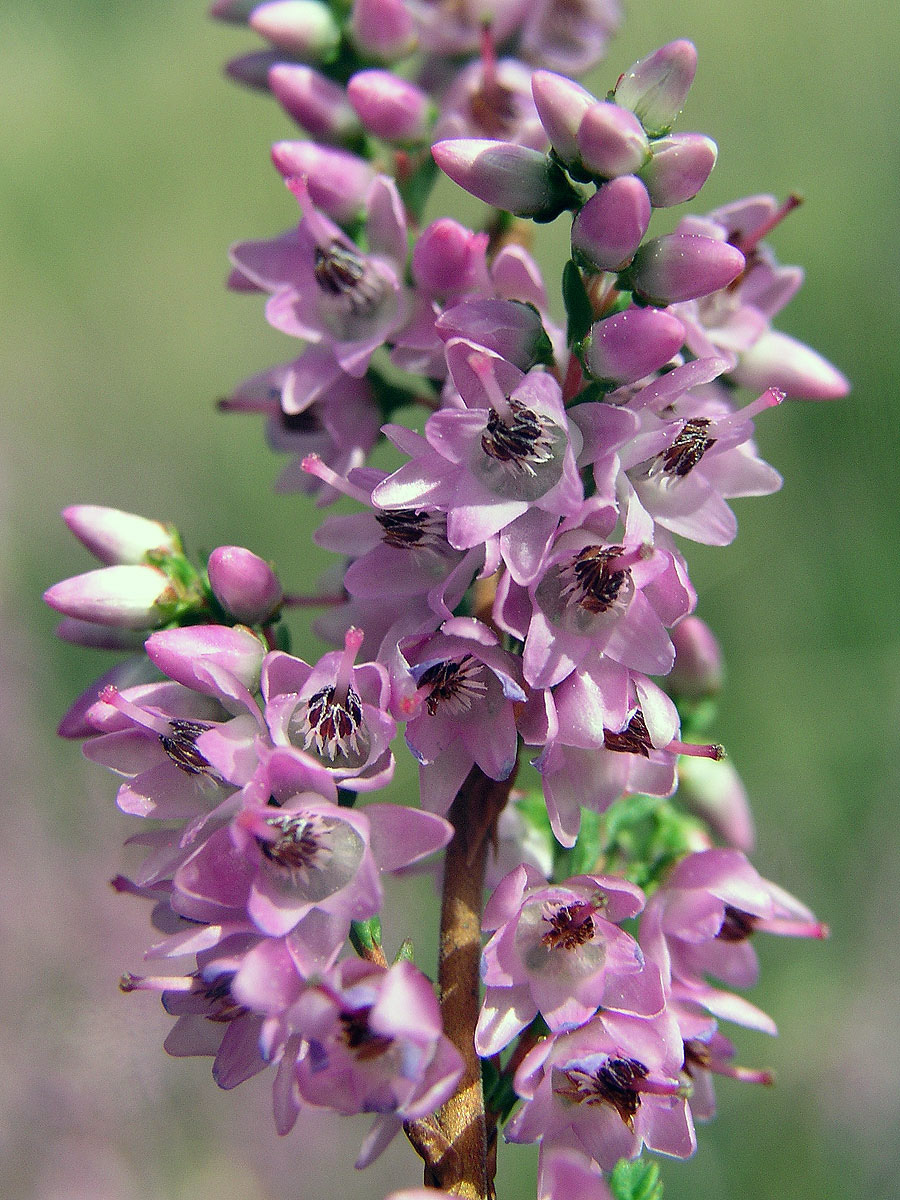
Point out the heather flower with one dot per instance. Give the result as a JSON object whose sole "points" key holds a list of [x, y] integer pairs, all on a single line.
{"points": [[734, 321], [611, 141], [316, 103], [458, 691], [366, 1039], [606, 1089], [681, 164], [148, 734], [568, 37], [506, 175], [565, 1173], [304, 28], [338, 181], [609, 227], [557, 949], [633, 343], [682, 266], [218, 660], [304, 861], [382, 30], [389, 107], [503, 462], [491, 99], [700, 922], [706, 457], [324, 288]]}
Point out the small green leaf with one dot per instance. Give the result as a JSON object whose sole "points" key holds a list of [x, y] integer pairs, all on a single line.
{"points": [[406, 953], [365, 936], [579, 314], [636, 1180]]}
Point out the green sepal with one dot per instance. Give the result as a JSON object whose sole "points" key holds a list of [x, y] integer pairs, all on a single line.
{"points": [[282, 637], [636, 1180], [644, 837], [579, 314], [395, 388], [365, 936], [406, 953]]}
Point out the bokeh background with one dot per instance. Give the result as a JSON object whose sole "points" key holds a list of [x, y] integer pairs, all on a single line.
{"points": [[127, 164]]}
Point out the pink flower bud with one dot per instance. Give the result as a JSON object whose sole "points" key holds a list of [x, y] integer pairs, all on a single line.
{"points": [[448, 257], [119, 537], [98, 637], [611, 141], [515, 178], [235, 12], [252, 70], [185, 654], [126, 596], [698, 660], [338, 182], [316, 103], [714, 792], [656, 87], [683, 266], [631, 344], [791, 366], [302, 27], [680, 166], [382, 29], [244, 584], [561, 103], [388, 106], [609, 227]]}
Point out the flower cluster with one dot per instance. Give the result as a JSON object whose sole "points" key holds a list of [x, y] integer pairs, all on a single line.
{"points": [[513, 588]]}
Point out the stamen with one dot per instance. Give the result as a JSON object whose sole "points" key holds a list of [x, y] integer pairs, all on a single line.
{"points": [[348, 277], [525, 441], [410, 528], [698, 1056], [594, 578], [689, 446], [633, 739], [616, 1083], [177, 736], [331, 726], [570, 927], [294, 843], [359, 1036], [454, 685], [737, 925]]}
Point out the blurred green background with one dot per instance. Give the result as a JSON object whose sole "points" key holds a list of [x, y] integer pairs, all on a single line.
{"points": [[126, 167]]}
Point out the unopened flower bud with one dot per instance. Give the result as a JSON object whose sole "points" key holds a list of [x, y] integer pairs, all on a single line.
{"points": [[656, 87], [682, 266], [302, 27], [318, 104], [609, 227], [515, 178], [714, 792], [252, 70], [117, 537], [697, 673], [611, 141], [338, 181], [98, 637], [631, 344], [447, 257], [791, 366], [382, 29], [195, 654], [388, 106], [680, 166], [561, 103], [126, 596], [235, 12], [244, 584]]}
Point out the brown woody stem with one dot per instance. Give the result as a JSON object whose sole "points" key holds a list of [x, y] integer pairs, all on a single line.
{"points": [[456, 1156]]}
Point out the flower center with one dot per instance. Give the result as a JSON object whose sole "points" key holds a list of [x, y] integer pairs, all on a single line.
{"points": [[615, 1083], [570, 927], [591, 579], [222, 1005], [333, 729], [737, 925], [356, 1032], [298, 847], [524, 441], [689, 446], [348, 277], [408, 528], [633, 739], [181, 747], [455, 685]]}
